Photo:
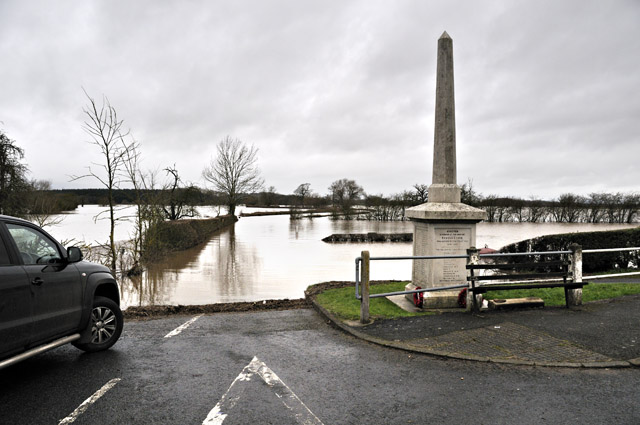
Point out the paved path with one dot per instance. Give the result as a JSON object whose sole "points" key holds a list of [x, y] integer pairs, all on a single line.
{"points": [[598, 334]]}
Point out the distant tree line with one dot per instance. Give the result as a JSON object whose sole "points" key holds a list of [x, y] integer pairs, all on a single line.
{"points": [[567, 208], [80, 197]]}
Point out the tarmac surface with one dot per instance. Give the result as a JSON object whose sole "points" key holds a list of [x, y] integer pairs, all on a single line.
{"points": [[600, 334], [291, 367]]}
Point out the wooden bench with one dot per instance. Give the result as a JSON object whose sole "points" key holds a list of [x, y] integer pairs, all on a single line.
{"points": [[531, 277]]}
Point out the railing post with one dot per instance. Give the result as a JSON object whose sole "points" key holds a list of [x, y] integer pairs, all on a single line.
{"points": [[574, 296], [474, 303], [364, 301]]}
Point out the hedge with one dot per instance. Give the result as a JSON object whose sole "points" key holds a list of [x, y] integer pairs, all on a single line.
{"points": [[596, 262], [179, 235]]}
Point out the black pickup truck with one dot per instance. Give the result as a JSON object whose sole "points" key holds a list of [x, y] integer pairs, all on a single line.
{"points": [[50, 297]]}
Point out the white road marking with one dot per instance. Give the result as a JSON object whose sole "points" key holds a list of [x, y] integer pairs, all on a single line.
{"points": [[303, 415], [182, 327], [88, 402]]}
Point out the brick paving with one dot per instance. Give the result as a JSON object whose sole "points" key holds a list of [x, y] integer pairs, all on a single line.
{"points": [[509, 341], [598, 334]]}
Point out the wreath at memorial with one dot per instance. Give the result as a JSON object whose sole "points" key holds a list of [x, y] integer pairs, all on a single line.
{"points": [[462, 298], [418, 298]]}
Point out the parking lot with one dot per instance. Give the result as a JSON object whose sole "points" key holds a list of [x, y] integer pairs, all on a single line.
{"points": [[290, 367]]}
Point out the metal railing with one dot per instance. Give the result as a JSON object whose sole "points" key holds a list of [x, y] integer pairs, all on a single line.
{"points": [[439, 257], [605, 276], [365, 260]]}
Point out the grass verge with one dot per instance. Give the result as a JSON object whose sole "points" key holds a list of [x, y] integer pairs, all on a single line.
{"points": [[555, 296], [342, 302]]}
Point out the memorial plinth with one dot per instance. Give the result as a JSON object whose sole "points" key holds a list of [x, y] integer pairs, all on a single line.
{"points": [[442, 229], [443, 226]]}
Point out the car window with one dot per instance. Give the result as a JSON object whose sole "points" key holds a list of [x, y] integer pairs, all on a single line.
{"points": [[34, 246]]}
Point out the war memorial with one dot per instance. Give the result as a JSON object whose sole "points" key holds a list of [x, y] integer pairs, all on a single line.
{"points": [[443, 225]]}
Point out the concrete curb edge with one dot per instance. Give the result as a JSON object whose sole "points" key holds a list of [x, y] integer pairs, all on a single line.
{"points": [[337, 323]]}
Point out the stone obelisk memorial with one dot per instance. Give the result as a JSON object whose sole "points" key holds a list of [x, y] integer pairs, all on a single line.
{"points": [[443, 225]]}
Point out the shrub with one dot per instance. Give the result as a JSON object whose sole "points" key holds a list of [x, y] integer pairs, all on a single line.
{"points": [[597, 262], [177, 235]]}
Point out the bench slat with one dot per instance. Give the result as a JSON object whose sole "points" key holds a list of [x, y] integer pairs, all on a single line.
{"points": [[518, 276], [500, 287], [514, 266]]}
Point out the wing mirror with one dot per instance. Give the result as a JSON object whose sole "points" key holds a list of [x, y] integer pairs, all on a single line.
{"points": [[74, 254]]}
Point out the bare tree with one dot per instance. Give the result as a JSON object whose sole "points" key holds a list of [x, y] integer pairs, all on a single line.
{"points": [[180, 200], [43, 209], [630, 206], [421, 192], [571, 208], [234, 172], [490, 205], [468, 194], [536, 211], [344, 194], [596, 207], [269, 196], [302, 192], [517, 209], [105, 131], [148, 205]]}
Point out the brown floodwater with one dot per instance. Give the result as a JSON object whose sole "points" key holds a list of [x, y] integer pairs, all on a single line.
{"points": [[273, 257]]}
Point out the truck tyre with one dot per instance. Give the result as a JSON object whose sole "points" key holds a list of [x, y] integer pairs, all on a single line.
{"points": [[106, 325]]}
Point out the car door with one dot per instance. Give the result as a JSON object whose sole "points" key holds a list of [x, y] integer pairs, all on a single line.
{"points": [[16, 309], [55, 284]]}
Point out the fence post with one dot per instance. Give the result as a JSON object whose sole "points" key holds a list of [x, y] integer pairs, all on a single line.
{"points": [[364, 301], [574, 296], [474, 303]]}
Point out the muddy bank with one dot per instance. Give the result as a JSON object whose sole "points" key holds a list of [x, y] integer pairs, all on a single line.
{"points": [[148, 312], [314, 290], [157, 311], [369, 237], [288, 212]]}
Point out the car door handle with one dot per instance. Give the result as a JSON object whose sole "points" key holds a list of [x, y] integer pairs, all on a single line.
{"points": [[37, 281]]}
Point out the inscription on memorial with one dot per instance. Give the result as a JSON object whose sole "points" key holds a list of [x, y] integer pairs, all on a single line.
{"points": [[452, 242]]}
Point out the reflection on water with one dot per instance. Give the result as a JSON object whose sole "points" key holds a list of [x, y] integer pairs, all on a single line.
{"points": [[272, 257], [262, 258]]}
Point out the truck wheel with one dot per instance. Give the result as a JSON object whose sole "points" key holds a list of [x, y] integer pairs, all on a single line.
{"points": [[106, 325]]}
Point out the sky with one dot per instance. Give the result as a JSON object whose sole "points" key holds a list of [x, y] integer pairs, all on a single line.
{"points": [[547, 92]]}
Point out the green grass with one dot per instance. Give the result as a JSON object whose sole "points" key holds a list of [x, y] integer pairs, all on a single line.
{"points": [[555, 296], [613, 271], [343, 303]]}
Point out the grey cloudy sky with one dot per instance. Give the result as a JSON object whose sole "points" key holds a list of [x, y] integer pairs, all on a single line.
{"points": [[547, 92]]}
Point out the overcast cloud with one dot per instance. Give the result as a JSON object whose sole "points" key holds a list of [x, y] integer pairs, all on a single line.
{"points": [[547, 92]]}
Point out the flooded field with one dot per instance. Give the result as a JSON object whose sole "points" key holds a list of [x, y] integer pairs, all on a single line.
{"points": [[273, 257]]}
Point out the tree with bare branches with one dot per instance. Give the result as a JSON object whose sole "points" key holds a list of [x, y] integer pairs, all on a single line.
{"points": [[421, 193], [234, 172], [344, 194], [43, 209], [303, 191], [106, 132], [180, 200]]}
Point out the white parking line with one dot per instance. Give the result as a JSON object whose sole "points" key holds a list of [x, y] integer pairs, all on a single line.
{"points": [[231, 398], [182, 327], [88, 402]]}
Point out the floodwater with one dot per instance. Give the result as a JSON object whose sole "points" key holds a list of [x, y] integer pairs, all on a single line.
{"points": [[273, 257]]}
